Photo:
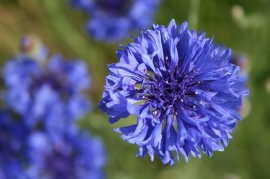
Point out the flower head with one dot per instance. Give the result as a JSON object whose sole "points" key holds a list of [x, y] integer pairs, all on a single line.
{"points": [[13, 151], [70, 155], [242, 61], [243, 75], [38, 133], [112, 20], [181, 88], [49, 91]]}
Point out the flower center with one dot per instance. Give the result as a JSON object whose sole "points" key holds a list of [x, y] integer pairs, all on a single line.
{"points": [[56, 82], [172, 91], [115, 7], [45, 79]]}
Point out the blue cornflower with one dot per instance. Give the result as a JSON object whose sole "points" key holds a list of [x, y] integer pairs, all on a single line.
{"points": [[69, 155], [38, 133], [242, 61], [243, 75], [112, 20], [180, 87], [13, 151], [48, 91], [12, 169]]}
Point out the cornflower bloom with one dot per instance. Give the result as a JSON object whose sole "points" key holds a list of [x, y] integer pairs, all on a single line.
{"points": [[112, 20], [69, 155], [46, 91], [182, 89], [242, 61], [38, 133], [13, 151]]}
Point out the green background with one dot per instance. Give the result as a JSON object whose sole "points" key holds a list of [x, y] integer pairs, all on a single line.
{"points": [[62, 29]]}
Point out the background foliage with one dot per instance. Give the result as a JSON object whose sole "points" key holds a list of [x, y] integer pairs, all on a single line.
{"points": [[244, 28]]}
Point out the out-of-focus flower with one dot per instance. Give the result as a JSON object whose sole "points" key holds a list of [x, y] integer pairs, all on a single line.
{"points": [[12, 169], [38, 133], [113, 20], [242, 61], [69, 156], [180, 87], [13, 151], [50, 91], [30, 154]]}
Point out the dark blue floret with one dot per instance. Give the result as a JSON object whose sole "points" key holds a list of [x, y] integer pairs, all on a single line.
{"points": [[181, 88]]}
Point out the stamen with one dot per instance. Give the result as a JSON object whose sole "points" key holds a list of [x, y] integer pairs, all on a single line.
{"points": [[166, 61], [156, 113], [195, 83]]}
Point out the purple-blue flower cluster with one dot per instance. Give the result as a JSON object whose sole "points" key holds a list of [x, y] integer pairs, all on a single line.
{"points": [[13, 136], [182, 89], [69, 155], [47, 92], [113, 20], [41, 102]]}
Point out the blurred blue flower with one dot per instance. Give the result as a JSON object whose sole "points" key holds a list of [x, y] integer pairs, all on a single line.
{"points": [[112, 20], [242, 61], [13, 151], [68, 156], [42, 99], [12, 169], [46, 91], [30, 154], [180, 87]]}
